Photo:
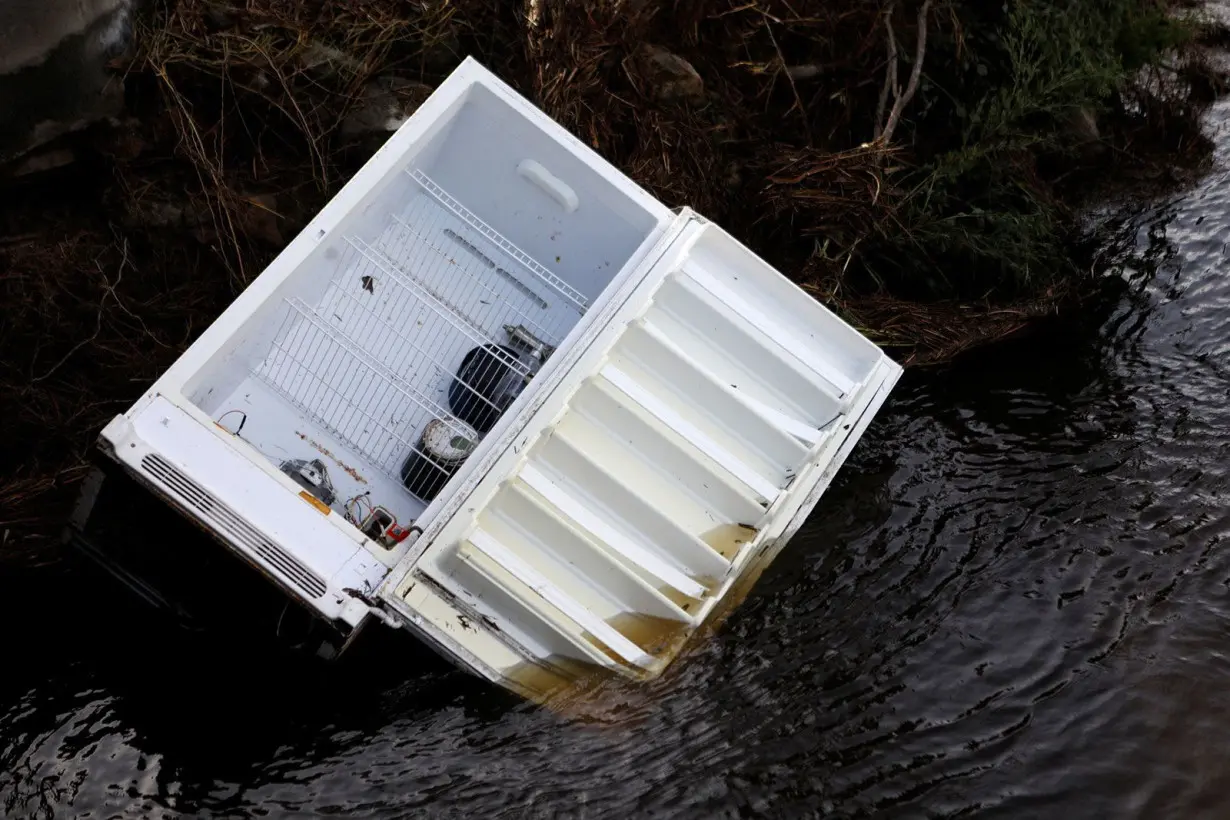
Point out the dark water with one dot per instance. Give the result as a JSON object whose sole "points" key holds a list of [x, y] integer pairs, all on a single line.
{"points": [[1014, 603]]}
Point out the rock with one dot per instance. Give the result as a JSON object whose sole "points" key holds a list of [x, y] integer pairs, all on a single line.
{"points": [[670, 77], [46, 160], [384, 105], [30, 30], [326, 61], [147, 213], [54, 75]]}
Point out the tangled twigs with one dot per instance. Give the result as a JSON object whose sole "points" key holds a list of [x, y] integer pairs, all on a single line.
{"points": [[798, 101], [108, 290], [886, 127]]}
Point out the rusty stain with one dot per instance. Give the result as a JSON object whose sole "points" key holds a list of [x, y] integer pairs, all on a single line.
{"points": [[324, 451], [657, 636]]}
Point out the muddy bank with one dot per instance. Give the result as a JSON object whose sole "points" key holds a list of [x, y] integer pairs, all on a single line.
{"points": [[871, 151]]}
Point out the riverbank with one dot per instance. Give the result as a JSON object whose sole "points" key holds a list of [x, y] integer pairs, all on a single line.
{"points": [[935, 209]]}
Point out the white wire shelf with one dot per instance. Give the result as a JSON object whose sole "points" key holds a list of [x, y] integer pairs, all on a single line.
{"points": [[355, 398], [291, 371], [382, 354], [531, 264], [410, 292]]}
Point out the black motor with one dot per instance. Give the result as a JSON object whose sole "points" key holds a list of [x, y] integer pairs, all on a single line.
{"points": [[485, 386]]}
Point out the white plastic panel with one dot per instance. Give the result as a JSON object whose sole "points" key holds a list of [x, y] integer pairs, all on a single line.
{"points": [[730, 348], [647, 445], [625, 506], [523, 521], [779, 310]]}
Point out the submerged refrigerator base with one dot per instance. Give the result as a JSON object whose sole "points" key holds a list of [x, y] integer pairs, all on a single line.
{"points": [[500, 396]]}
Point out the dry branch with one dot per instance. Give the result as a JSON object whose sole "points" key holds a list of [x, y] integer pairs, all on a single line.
{"points": [[885, 128]]}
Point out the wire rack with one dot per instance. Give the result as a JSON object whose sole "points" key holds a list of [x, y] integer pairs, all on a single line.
{"points": [[373, 361], [512, 251]]}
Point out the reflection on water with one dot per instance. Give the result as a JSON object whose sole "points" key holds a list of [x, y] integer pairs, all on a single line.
{"points": [[1013, 602]]}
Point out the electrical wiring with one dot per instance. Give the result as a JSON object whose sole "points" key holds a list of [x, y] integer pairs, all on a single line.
{"points": [[354, 508], [242, 421], [236, 433]]}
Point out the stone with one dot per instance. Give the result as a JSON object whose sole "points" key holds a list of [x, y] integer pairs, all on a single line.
{"points": [[38, 162], [148, 213], [55, 77], [670, 77], [325, 61], [384, 105], [30, 30]]}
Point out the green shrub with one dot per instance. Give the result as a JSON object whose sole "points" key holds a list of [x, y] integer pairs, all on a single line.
{"points": [[981, 206]]}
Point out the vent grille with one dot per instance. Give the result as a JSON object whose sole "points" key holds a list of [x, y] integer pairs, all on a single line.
{"points": [[225, 519]]}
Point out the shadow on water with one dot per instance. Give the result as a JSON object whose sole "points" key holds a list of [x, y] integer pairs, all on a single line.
{"points": [[1013, 602]]}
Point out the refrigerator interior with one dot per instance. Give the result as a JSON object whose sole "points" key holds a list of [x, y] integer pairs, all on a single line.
{"points": [[400, 341]]}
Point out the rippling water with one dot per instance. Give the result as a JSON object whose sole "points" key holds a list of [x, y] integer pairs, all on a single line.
{"points": [[1014, 602]]}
